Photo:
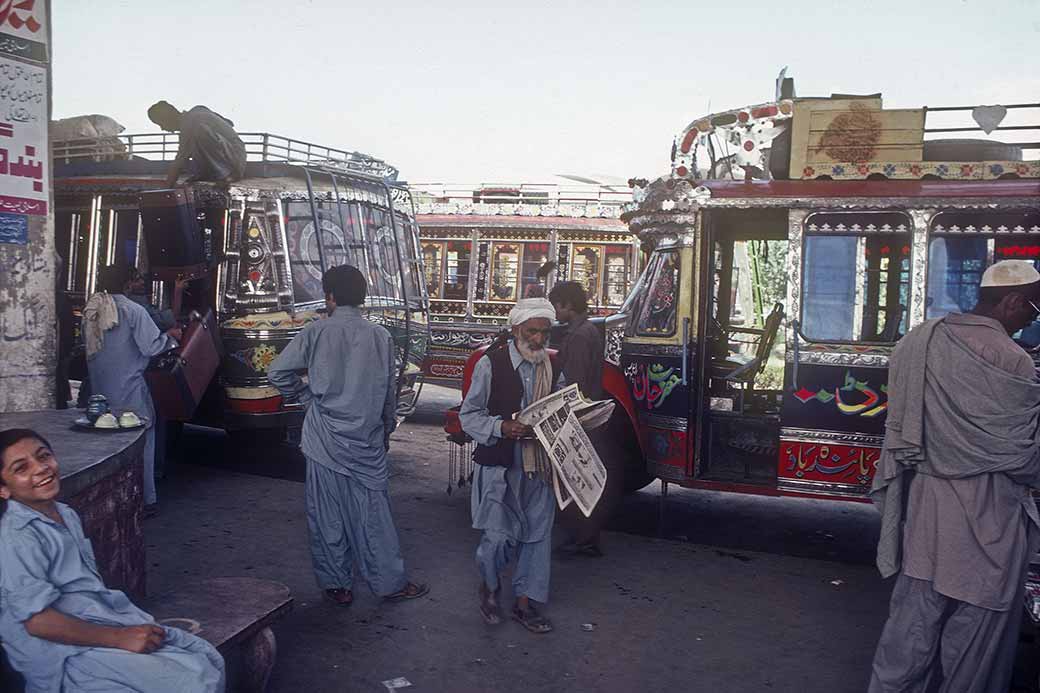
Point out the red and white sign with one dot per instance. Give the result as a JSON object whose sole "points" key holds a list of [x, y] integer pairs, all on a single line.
{"points": [[24, 174], [24, 19]]}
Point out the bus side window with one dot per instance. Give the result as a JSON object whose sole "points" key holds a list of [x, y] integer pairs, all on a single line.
{"points": [[657, 310], [955, 267], [433, 253], [855, 286], [456, 270]]}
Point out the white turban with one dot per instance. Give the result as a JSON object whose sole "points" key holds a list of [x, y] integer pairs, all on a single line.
{"points": [[530, 308]]}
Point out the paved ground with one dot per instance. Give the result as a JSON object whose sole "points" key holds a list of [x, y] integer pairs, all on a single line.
{"points": [[737, 594]]}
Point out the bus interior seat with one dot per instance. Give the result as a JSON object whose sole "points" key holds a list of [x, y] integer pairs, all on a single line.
{"points": [[741, 371]]}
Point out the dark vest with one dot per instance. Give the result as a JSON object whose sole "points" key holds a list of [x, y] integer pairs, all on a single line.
{"points": [[507, 392]]}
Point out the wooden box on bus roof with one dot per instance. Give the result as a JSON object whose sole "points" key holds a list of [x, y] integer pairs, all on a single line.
{"points": [[853, 130]]}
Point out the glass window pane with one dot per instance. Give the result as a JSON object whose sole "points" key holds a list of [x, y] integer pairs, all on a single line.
{"points": [[456, 270], [616, 274], [384, 272], [856, 287], [829, 287], [585, 270], [657, 315], [955, 267], [505, 267], [337, 238], [535, 255], [406, 246]]}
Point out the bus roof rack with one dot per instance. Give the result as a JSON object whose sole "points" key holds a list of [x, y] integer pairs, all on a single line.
{"points": [[261, 147]]}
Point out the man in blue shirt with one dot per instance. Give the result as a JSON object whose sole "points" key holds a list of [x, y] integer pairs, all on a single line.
{"points": [[61, 627], [121, 339], [351, 400]]}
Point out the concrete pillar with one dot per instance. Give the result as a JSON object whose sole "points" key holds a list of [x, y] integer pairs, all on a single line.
{"points": [[28, 348], [27, 257]]}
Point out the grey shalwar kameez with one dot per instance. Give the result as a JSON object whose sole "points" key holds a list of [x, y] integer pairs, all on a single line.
{"points": [[117, 372], [515, 512], [961, 448], [351, 400]]}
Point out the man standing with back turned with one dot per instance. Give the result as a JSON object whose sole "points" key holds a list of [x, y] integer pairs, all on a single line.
{"points": [[958, 521], [351, 400]]}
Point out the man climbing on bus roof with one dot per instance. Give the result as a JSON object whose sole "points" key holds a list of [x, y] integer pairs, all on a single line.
{"points": [[512, 502], [953, 487], [207, 138]]}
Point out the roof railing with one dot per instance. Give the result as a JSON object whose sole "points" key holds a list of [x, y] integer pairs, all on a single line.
{"points": [[980, 112], [260, 147], [521, 193]]}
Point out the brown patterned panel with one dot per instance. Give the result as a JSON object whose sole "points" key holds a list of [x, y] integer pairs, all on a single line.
{"points": [[514, 234], [439, 307], [434, 233], [492, 309]]}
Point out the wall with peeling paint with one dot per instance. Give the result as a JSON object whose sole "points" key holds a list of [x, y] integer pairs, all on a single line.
{"points": [[27, 325], [28, 334]]}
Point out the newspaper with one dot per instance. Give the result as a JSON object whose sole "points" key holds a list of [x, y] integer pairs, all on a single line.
{"points": [[591, 414], [560, 421], [580, 474]]}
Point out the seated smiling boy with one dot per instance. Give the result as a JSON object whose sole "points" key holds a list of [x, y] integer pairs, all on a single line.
{"points": [[62, 629]]}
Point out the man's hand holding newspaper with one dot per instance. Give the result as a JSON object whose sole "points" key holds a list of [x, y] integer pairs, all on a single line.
{"points": [[560, 421]]}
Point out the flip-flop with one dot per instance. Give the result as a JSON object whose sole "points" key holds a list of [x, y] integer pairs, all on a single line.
{"points": [[339, 596], [410, 591], [532, 620], [491, 613], [589, 550]]}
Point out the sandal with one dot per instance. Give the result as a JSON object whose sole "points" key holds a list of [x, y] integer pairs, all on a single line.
{"points": [[410, 591], [339, 596], [489, 607], [532, 620], [590, 550]]}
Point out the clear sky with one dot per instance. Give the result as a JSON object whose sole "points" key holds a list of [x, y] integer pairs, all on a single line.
{"points": [[465, 92]]}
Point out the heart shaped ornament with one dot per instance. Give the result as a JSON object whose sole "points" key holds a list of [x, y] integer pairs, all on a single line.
{"points": [[988, 117]]}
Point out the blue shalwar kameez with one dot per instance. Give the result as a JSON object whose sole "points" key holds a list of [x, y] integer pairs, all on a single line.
{"points": [[351, 400], [514, 511], [44, 564], [117, 372]]}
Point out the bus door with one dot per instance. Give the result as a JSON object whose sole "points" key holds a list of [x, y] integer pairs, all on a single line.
{"points": [[656, 360], [741, 365], [850, 303]]}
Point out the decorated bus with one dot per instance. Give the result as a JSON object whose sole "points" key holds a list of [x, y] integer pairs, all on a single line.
{"points": [[485, 246], [253, 252]]}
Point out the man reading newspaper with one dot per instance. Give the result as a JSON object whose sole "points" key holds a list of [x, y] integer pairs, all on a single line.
{"points": [[513, 502]]}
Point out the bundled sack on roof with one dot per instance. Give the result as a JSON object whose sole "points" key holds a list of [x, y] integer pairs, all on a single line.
{"points": [[92, 137]]}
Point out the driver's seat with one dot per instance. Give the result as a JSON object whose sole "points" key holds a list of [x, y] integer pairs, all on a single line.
{"points": [[741, 370]]}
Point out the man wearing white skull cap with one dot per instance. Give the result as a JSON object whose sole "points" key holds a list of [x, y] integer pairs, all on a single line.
{"points": [[953, 485], [512, 499]]}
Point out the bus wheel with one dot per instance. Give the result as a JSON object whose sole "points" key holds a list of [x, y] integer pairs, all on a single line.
{"points": [[625, 445]]}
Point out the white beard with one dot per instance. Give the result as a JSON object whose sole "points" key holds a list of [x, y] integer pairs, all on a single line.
{"points": [[534, 356]]}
